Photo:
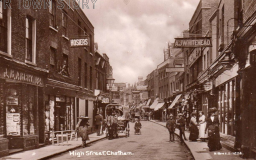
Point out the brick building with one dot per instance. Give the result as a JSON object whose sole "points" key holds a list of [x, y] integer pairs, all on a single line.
{"points": [[43, 82]]}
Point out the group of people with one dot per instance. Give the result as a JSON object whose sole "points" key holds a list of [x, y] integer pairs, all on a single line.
{"points": [[198, 129]]}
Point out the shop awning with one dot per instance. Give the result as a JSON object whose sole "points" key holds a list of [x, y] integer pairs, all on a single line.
{"points": [[174, 101], [154, 104], [148, 102], [159, 105]]}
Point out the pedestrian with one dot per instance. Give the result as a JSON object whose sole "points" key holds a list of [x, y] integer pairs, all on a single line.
{"points": [[127, 119], [110, 120], [170, 125], [82, 129], [98, 123], [181, 125], [212, 124], [137, 125], [114, 125], [202, 125], [193, 136], [133, 115]]}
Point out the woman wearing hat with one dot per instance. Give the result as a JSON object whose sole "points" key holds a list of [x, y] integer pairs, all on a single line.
{"points": [[213, 131], [202, 125], [193, 128], [82, 128]]}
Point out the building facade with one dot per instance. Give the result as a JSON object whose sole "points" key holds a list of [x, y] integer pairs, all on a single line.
{"points": [[44, 82]]}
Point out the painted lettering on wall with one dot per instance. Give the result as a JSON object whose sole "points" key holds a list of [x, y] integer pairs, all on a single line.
{"points": [[21, 76]]}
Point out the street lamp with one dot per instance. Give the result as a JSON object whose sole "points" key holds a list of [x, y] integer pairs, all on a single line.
{"points": [[110, 82]]}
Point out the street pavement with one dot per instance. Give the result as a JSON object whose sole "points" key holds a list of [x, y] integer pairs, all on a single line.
{"points": [[152, 144], [51, 150], [200, 150]]}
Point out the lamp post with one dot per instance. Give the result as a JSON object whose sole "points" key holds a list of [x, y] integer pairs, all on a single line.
{"points": [[110, 82]]}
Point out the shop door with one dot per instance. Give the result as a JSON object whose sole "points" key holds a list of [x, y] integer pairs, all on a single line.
{"points": [[60, 114]]}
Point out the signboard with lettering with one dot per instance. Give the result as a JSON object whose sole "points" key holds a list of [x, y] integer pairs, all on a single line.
{"points": [[105, 100], [208, 85], [13, 74], [80, 42], [193, 42], [171, 69]]}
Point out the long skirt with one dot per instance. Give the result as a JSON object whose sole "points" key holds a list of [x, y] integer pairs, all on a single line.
{"points": [[214, 141], [202, 131], [83, 133], [193, 136]]}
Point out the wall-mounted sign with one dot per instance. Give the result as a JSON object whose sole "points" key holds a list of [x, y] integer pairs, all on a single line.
{"points": [[80, 42], [193, 42], [178, 69], [20, 76]]}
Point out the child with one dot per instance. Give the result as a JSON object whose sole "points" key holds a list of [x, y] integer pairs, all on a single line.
{"points": [[170, 125], [137, 125]]}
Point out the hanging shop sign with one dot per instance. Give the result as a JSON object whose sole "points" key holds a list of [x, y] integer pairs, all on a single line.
{"points": [[172, 69], [193, 42], [208, 86], [13, 74], [80, 42]]}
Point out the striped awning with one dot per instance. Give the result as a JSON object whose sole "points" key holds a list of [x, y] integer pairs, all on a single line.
{"points": [[159, 105], [174, 101], [154, 104]]}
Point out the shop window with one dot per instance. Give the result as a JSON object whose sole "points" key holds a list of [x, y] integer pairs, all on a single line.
{"points": [[12, 111], [2, 130], [3, 28], [64, 113], [29, 112], [52, 11]]}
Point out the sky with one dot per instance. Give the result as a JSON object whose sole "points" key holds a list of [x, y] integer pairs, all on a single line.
{"points": [[133, 33]]}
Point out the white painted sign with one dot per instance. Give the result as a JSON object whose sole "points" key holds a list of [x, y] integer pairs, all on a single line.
{"points": [[79, 42]]}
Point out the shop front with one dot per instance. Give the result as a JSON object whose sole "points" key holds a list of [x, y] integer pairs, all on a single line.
{"points": [[21, 97], [227, 95], [61, 108]]}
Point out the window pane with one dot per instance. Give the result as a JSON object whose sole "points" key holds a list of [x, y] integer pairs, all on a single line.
{"points": [[1, 9], [2, 109], [12, 111], [52, 56]]}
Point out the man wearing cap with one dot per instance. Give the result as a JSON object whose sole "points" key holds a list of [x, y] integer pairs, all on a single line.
{"points": [[170, 125], [181, 124], [98, 122]]}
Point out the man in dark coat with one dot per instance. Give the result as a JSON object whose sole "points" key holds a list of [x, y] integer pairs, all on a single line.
{"points": [[181, 124], [98, 122], [170, 125]]}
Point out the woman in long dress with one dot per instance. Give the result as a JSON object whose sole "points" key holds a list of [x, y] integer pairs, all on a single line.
{"points": [[82, 129], [202, 125], [213, 131], [193, 136]]}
